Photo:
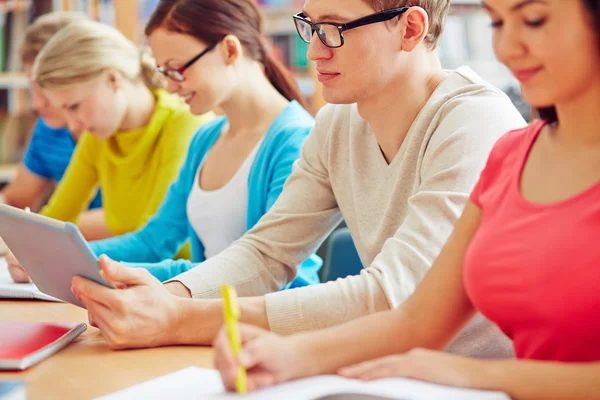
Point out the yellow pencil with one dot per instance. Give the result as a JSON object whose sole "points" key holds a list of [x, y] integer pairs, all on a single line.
{"points": [[231, 311]]}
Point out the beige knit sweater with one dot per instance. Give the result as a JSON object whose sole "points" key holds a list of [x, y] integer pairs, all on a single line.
{"points": [[400, 215]]}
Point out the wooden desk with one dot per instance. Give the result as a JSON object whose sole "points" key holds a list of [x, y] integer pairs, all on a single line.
{"points": [[87, 368]]}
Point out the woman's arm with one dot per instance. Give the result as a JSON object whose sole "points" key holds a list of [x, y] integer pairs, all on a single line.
{"points": [[430, 318], [541, 380], [92, 225], [531, 380], [26, 190]]}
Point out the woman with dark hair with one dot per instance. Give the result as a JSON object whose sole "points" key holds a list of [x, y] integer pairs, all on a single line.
{"points": [[213, 54], [524, 253]]}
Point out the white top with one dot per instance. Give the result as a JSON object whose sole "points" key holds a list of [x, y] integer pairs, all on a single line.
{"points": [[219, 216], [400, 215]]}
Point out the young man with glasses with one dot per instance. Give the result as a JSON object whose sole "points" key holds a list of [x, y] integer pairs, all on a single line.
{"points": [[396, 157]]}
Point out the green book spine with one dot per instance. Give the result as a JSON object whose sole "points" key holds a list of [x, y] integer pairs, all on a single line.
{"points": [[298, 53], [2, 42]]}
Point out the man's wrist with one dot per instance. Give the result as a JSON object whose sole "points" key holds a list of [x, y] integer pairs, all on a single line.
{"points": [[178, 289], [195, 321], [254, 311]]}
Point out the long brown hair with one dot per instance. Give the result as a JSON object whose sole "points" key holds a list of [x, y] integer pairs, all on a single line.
{"points": [[593, 6], [211, 20]]}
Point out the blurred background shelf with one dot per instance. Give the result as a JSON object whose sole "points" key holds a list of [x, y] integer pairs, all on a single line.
{"points": [[467, 41], [7, 173], [11, 80], [15, 6]]}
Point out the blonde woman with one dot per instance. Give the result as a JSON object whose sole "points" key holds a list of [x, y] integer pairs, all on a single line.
{"points": [[135, 133], [51, 147]]}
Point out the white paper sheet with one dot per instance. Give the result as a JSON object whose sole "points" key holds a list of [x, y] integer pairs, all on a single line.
{"points": [[11, 290], [198, 383]]}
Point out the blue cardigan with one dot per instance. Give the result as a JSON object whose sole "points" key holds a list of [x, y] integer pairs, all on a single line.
{"points": [[153, 246]]}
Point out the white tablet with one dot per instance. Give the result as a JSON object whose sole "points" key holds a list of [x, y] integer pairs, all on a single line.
{"points": [[52, 252]]}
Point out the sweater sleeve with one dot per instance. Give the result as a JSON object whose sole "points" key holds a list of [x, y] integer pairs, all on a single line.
{"points": [[454, 157], [79, 185], [266, 258]]}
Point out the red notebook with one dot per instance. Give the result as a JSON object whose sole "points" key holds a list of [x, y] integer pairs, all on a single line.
{"points": [[23, 344]]}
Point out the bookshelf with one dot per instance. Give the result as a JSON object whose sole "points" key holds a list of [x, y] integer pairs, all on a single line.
{"points": [[15, 117], [279, 28], [7, 173], [15, 5], [13, 80], [467, 40]]}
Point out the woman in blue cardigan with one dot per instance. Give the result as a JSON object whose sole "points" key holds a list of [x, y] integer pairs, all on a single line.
{"points": [[237, 164]]}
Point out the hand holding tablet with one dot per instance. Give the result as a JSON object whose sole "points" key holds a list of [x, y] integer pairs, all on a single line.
{"points": [[51, 252]]}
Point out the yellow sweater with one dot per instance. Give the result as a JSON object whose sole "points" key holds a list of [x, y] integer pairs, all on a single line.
{"points": [[133, 168]]}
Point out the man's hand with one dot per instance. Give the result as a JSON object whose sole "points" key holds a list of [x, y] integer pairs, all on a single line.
{"points": [[141, 312]]}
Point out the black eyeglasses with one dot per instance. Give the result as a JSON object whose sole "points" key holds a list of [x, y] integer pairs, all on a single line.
{"points": [[332, 34], [177, 74]]}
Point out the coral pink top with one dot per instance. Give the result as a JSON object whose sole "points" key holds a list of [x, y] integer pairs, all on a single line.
{"points": [[534, 269]]}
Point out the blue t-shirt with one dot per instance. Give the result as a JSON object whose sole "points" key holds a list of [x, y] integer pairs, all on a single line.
{"points": [[49, 154]]}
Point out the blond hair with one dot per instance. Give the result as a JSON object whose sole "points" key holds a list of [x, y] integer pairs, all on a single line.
{"points": [[436, 9], [83, 50], [42, 29]]}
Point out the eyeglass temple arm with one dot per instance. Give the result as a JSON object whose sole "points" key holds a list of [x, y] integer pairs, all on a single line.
{"points": [[385, 15]]}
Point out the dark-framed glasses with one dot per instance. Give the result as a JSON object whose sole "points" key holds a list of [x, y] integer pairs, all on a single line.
{"points": [[177, 73], [332, 34]]}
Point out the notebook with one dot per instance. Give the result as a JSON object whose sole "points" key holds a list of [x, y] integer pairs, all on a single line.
{"points": [[11, 290], [12, 390], [198, 383], [27, 343]]}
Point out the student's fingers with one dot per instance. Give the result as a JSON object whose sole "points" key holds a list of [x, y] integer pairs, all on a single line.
{"points": [[94, 292], [18, 274], [15, 269], [248, 357], [98, 315], [11, 259], [3, 248], [122, 275], [356, 371], [92, 320], [224, 361], [260, 380], [223, 355], [380, 368], [257, 352], [251, 332], [109, 324]]}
